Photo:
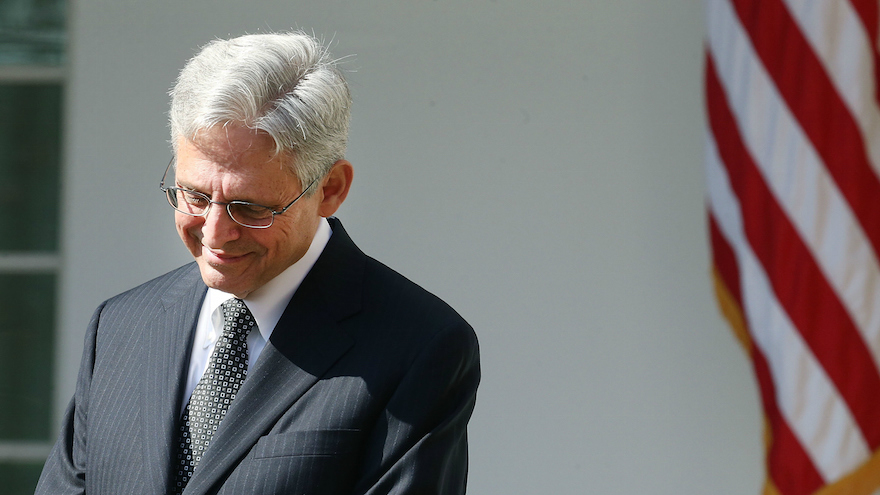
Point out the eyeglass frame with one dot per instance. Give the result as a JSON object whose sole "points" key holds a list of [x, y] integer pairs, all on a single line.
{"points": [[228, 204]]}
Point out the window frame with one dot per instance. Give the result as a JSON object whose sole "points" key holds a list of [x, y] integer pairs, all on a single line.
{"points": [[31, 262]]}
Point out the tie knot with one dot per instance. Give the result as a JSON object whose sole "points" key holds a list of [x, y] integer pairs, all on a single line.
{"points": [[237, 317]]}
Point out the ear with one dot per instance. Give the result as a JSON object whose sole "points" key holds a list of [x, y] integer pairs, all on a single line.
{"points": [[334, 187]]}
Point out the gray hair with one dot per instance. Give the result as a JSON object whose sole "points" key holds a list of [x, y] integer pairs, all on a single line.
{"points": [[283, 84]]}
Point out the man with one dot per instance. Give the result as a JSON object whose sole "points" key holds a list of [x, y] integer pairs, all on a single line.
{"points": [[283, 360]]}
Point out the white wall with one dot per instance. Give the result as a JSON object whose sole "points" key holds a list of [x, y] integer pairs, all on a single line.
{"points": [[535, 163]]}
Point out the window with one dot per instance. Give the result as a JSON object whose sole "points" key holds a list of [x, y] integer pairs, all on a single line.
{"points": [[32, 39]]}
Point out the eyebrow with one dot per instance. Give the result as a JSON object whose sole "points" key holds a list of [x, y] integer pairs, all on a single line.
{"points": [[188, 188]]}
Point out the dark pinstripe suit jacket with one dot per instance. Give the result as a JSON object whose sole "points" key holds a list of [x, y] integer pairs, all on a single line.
{"points": [[365, 387]]}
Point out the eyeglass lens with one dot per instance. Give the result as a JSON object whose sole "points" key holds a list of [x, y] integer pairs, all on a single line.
{"points": [[197, 204]]}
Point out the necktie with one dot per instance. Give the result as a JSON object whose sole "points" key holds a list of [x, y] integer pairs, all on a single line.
{"points": [[227, 369]]}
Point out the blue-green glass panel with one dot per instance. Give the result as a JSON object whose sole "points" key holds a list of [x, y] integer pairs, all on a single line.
{"points": [[32, 32], [27, 316], [19, 478], [30, 144]]}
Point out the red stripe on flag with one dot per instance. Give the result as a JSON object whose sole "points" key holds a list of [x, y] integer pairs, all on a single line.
{"points": [[724, 260], [788, 464], [811, 304], [801, 79]]}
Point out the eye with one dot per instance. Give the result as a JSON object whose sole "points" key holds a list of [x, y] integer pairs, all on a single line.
{"points": [[250, 210], [194, 199]]}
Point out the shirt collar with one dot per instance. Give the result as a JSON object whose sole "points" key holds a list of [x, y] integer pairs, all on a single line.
{"points": [[267, 303]]}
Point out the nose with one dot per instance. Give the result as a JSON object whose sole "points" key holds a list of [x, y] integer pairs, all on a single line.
{"points": [[219, 228]]}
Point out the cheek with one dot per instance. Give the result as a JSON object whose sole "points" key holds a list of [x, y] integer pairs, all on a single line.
{"points": [[265, 241], [297, 238], [187, 225], [275, 243]]}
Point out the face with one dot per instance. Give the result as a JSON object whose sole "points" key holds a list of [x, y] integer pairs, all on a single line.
{"points": [[234, 163]]}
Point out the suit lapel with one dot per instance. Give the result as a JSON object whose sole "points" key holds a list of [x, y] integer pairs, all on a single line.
{"points": [[168, 344], [306, 342], [284, 372]]}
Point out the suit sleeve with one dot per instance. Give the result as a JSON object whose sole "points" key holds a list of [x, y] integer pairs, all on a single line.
{"points": [[65, 470], [420, 443]]}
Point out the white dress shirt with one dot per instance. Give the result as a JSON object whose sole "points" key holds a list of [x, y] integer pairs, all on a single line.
{"points": [[266, 304]]}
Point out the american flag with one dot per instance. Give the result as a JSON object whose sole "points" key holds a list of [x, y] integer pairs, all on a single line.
{"points": [[792, 166]]}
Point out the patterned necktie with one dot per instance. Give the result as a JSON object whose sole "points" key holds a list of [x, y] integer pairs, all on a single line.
{"points": [[226, 371]]}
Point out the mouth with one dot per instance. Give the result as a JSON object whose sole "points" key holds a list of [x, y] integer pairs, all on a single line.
{"points": [[219, 258]]}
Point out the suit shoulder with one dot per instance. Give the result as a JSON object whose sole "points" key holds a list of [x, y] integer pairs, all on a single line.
{"points": [[413, 305], [180, 278], [401, 325]]}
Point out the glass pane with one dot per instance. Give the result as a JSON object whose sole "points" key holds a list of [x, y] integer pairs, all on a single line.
{"points": [[27, 315], [20, 479], [32, 32], [30, 141]]}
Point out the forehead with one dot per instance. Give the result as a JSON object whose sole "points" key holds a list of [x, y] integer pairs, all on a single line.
{"points": [[231, 160]]}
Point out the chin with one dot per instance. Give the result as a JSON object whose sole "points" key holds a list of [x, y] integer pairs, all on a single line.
{"points": [[215, 279]]}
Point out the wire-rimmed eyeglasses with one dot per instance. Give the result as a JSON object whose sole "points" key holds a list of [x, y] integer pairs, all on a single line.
{"points": [[244, 213]]}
